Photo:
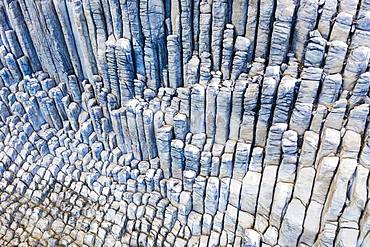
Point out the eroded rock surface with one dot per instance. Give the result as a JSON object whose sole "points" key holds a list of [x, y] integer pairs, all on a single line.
{"points": [[184, 123]]}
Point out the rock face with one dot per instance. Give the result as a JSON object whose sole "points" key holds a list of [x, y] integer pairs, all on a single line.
{"points": [[184, 123]]}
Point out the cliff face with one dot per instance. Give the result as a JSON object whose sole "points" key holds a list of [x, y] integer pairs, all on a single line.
{"points": [[184, 123]]}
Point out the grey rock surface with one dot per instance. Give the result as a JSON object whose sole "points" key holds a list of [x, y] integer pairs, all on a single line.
{"points": [[184, 123]]}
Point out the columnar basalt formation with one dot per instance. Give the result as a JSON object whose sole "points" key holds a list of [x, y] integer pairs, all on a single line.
{"points": [[184, 123]]}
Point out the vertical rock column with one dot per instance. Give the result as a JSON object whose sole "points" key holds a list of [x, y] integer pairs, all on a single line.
{"points": [[284, 184], [307, 94], [197, 109], [116, 14], [324, 175], [141, 132], [227, 51], [126, 132], [296, 209], [101, 24], [242, 48], [352, 211], [112, 67], [252, 23], [270, 170], [192, 158], [196, 23], [237, 108], [12, 67], [330, 89], [174, 61], [177, 158], [57, 122], [250, 113], [364, 160], [326, 18], [137, 38], [90, 25], [306, 21], [315, 50], [151, 146], [133, 129], [284, 100], [241, 160], [11, 38], [56, 42], [265, 18], [23, 34], [355, 66], [239, 17], [336, 55], [212, 195], [4, 26], [342, 27], [125, 70], [186, 19], [249, 191], [205, 68], [268, 91], [223, 115], [164, 136], [348, 171], [152, 24], [219, 13], [82, 38], [116, 125], [361, 89], [281, 32], [192, 71], [205, 21], [211, 106], [41, 97], [57, 95], [74, 88]]}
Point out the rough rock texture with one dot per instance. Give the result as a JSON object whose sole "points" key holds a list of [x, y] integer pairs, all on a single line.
{"points": [[184, 123]]}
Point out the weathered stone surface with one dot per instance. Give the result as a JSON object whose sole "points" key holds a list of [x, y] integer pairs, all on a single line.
{"points": [[212, 195], [223, 115], [184, 123], [268, 91], [281, 31], [306, 20], [250, 113], [219, 14], [197, 112], [321, 186], [285, 178], [356, 65], [237, 109]]}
